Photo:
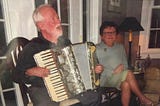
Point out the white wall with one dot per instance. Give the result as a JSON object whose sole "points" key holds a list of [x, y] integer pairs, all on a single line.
{"points": [[20, 19], [76, 20]]}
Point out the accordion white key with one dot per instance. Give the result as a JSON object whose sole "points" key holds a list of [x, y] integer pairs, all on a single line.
{"points": [[71, 70]]}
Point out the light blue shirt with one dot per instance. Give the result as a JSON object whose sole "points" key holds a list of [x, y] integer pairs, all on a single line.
{"points": [[110, 58]]}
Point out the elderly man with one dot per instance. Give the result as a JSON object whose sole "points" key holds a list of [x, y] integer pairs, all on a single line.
{"points": [[49, 25]]}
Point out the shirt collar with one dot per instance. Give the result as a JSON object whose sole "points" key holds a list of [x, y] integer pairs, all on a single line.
{"points": [[62, 41], [106, 46]]}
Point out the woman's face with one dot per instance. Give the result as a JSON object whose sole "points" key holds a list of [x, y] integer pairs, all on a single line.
{"points": [[109, 36]]}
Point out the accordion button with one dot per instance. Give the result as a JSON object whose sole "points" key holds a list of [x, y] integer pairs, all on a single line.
{"points": [[95, 90]]}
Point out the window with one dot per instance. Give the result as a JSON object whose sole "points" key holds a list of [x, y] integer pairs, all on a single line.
{"points": [[62, 8], [150, 37], [154, 39], [70, 13], [2, 30]]}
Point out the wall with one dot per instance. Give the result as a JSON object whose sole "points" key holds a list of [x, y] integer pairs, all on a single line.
{"points": [[114, 14], [21, 24]]}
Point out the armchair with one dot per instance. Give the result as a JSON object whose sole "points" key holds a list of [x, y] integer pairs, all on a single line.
{"points": [[14, 48]]}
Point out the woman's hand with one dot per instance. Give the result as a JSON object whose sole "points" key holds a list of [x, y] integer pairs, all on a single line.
{"points": [[98, 68], [118, 69]]}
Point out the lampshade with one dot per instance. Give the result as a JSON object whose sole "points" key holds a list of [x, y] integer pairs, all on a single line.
{"points": [[130, 24]]}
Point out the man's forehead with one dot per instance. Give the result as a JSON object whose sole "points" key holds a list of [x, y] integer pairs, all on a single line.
{"points": [[47, 10], [49, 14]]}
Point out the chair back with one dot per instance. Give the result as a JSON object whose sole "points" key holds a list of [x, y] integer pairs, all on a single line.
{"points": [[14, 48]]}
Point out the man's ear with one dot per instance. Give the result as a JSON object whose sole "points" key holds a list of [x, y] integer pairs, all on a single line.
{"points": [[40, 25]]}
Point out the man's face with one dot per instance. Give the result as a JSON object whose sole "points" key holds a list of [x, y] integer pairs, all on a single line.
{"points": [[109, 36], [51, 25]]}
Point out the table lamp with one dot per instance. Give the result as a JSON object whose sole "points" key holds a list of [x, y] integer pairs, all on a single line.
{"points": [[130, 24]]}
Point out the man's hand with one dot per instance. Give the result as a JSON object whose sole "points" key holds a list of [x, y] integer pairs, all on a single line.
{"points": [[118, 69], [98, 68], [37, 71]]}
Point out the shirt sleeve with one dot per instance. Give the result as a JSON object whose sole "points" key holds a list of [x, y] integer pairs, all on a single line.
{"points": [[24, 62]]}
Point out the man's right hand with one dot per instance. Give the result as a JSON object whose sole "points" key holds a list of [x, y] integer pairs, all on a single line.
{"points": [[37, 71]]}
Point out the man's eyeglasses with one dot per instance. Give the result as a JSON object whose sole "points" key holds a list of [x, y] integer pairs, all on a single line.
{"points": [[109, 33]]}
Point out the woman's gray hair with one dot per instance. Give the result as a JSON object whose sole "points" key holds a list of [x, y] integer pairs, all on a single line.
{"points": [[37, 15]]}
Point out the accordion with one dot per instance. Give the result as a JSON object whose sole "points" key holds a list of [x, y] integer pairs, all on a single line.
{"points": [[71, 70]]}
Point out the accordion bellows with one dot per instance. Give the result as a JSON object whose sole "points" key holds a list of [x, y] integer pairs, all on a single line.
{"points": [[71, 70]]}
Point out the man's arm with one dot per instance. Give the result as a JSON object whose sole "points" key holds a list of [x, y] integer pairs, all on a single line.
{"points": [[37, 71]]}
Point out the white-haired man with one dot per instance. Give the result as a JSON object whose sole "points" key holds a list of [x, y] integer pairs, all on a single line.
{"points": [[49, 26]]}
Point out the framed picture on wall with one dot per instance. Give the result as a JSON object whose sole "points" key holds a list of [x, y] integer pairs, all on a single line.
{"points": [[114, 5]]}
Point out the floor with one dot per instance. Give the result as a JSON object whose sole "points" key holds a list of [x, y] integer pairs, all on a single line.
{"points": [[6, 82]]}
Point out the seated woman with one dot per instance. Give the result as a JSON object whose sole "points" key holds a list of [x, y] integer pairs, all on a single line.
{"points": [[113, 57]]}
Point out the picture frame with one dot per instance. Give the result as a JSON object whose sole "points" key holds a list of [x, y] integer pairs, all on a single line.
{"points": [[139, 65], [114, 6]]}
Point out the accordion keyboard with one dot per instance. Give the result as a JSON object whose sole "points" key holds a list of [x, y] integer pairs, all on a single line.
{"points": [[53, 82]]}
